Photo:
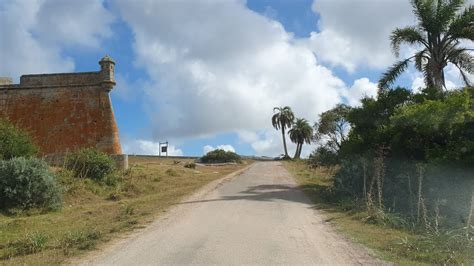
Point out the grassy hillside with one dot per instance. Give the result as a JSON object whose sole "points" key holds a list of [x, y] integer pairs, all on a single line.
{"points": [[94, 212]]}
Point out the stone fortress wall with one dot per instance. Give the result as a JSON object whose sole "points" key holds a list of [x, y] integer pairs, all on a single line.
{"points": [[64, 112]]}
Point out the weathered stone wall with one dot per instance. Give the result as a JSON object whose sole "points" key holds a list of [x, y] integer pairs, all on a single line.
{"points": [[64, 112]]}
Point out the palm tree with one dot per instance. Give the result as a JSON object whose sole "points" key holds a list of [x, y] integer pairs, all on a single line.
{"points": [[300, 133], [282, 119], [441, 27]]}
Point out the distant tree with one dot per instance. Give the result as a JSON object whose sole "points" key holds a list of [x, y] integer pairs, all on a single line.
{"points": [[301, 133], [333, 126], [283, 119], [441, 27]]}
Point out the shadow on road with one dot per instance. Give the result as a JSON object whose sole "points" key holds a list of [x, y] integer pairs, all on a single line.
{"points": [[263, 193]]}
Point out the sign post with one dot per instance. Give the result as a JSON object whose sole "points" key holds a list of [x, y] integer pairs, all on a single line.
{"points": [[163, 148]]}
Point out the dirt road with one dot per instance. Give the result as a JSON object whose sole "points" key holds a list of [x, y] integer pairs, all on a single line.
{"points": [[259, 217]]}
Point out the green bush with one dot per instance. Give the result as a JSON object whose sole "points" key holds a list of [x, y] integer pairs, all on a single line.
{"points": [[90, 163], [221, 156], [323, 156], [27, 182], [15, 142]]}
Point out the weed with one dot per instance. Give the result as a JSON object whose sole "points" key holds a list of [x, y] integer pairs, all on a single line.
{"points": [[172, 172], [80, 240], [114, 195], [29, 244]]}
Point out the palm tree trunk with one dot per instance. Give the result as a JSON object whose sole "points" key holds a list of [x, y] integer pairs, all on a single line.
{"points": [[438, 78], [296, 152], [299, 150], [284, 140]]}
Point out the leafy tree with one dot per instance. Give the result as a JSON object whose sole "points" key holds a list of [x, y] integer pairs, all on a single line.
{"points": [[370, 122], [441, 27], [300, 133], [333, 126], [283, 119], [435, 129]]}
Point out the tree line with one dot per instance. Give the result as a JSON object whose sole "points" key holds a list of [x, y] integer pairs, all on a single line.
{"points": [[406, 153]]}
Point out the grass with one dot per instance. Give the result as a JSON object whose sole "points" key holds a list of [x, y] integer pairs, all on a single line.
{"points": [[96, 212], [387, 239]]}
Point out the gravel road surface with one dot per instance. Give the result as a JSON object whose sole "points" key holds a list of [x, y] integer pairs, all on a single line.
{"points": [[256, 217]]}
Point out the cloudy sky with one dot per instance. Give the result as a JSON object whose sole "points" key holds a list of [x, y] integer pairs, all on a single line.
{"points": [[206, 74]]}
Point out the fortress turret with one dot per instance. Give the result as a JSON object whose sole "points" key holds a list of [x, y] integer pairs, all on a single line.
{"points": [[107, 68]]}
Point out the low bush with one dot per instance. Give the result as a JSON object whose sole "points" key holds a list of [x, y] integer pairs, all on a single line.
{"points": [[221, 156], [27, 182], [190, 165], [15, 142], [90, 163]]}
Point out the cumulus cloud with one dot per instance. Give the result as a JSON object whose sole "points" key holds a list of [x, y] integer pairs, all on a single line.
{"points": [[34, 33], [354, 34], [225, 147], [147, 147], [360, 89], [211, 74]]}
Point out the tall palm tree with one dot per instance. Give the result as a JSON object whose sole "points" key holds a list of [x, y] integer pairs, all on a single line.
{"points": [[283, 119], [300, 133], [441, 27]]}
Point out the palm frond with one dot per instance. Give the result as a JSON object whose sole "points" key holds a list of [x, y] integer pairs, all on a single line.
{"points": [[465, 63], [409, 35], [425, 13], [427, 74], [446, 12], [421, 58], [393, 72], [462, 25]]}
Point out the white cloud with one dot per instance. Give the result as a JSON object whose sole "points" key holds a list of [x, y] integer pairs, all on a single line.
{"points": [[360, 89], [34, 33], [211, 74], [354, 34], [146, 147], [225, 147]]}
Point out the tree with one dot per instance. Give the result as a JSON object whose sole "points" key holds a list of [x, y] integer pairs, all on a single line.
{"points": [[300, 133], [283, 119], [441, 27], [333, 126]]}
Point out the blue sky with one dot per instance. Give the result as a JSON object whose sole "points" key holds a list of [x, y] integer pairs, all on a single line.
{"points": [[204, 74]]}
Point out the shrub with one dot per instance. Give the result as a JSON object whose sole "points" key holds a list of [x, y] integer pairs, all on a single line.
{"points": [[15, 142], [221, 156], [90, 163], [190, 165], [323, 156], [27, 182]]}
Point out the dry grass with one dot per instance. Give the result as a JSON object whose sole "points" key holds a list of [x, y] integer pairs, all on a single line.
{"points": [[382, 239], [94, 213]]}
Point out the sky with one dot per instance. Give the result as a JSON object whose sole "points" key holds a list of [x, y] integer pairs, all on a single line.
{"points": [[206, 74]]}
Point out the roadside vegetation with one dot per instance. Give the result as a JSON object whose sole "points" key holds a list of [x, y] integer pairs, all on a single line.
{"points": [[220, 156], [48, 214], [401, 166]]}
